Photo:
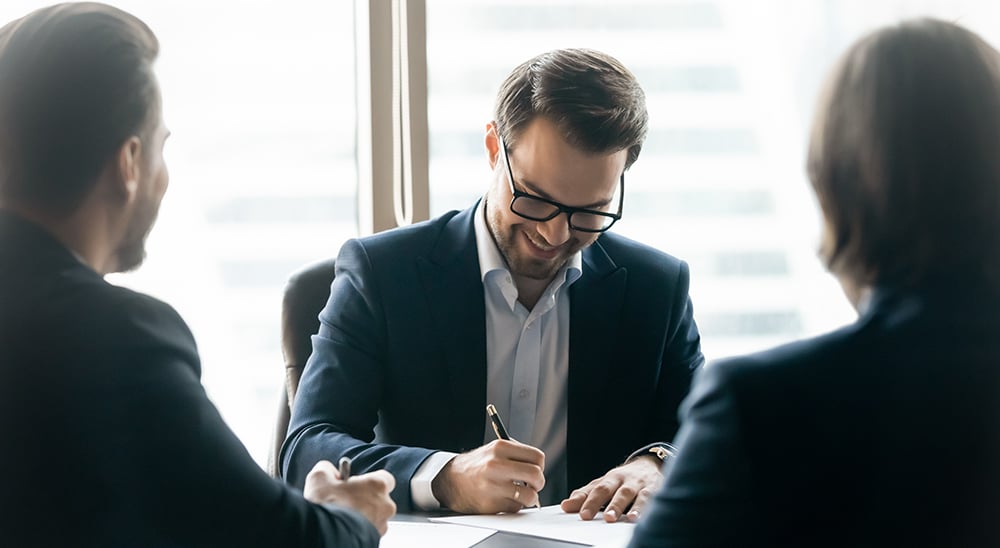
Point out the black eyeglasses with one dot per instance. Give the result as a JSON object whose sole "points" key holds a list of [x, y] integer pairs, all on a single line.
{"points": [[536, 208]]}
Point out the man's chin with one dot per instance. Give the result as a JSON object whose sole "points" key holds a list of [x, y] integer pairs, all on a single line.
{"points": [[539, 270], [131, 258]]}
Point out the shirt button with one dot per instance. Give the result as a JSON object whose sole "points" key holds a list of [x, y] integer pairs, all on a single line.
{"points": [[523, 394]]}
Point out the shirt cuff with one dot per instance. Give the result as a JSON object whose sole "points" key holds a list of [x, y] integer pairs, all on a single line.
{"points": [[420, 484]]}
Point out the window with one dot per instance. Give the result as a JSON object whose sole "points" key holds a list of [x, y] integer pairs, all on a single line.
{"points": [[720, 182], [260, 99]]}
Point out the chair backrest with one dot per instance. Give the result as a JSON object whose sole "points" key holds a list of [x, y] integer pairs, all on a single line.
{"points": [[305, 295]]}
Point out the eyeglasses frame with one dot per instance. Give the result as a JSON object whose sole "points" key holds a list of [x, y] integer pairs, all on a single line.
{"points": [[560, 208]]}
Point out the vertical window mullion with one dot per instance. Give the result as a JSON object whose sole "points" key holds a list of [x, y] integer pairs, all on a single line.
{"points": [[391, 67]]}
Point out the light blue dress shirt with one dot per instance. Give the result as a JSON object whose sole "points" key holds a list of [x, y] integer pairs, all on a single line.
{"points": [[527, 363]]}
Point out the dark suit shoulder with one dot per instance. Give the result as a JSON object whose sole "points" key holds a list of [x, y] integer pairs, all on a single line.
{"points": [[407, 241], [97, 321], [628, 253], [778, 376], [122, 317]]}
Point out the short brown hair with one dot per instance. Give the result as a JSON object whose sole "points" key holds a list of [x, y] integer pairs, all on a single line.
{"points": [[905, 158], [76, 81], [591, 97]]}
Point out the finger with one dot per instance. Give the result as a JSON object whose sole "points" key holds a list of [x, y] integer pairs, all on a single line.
{"points": [[324, 469], [535, 501], [390, 509], [621, 500], [517, 451], [380, 482], [641, 499], [599, 496], [383, 480], [530, 475], [574, 501], [529, 496], [501, 471], [521, 496]]}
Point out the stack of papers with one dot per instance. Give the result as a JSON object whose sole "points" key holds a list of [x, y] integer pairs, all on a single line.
{"points": [[409, 534], [551, 522]]}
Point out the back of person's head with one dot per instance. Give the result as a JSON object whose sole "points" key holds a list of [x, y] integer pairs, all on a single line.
{"points": [[905, 158], [76, 81], [592, 98]]}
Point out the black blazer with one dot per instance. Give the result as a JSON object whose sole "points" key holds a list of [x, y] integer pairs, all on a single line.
{"points": [[402, 345], [884, 433], [108, 436]]}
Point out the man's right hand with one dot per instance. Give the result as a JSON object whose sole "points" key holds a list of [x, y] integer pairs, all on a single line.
{"points": [[482, 480], [365, 493]]}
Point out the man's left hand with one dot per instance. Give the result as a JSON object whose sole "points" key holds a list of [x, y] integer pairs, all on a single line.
{"points": [[625, 488]]}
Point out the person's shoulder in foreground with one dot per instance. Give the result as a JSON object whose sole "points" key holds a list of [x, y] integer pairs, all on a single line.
{"points": [[887, 431], [115, 442]]}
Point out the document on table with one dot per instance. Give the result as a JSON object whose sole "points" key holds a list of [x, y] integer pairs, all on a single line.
{"points": [[410, 534], [551, 522]]}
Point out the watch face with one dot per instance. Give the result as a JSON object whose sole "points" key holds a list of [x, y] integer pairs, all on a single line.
{"points": [[661, 452]]}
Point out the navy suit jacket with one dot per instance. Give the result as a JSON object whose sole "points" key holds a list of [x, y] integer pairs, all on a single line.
{"points": [[108, 436], [883, 433], [398, 367]]}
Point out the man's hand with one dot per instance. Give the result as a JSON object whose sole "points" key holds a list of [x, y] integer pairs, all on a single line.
{"points": [[482, 480], [629, 484], [366, 493]]}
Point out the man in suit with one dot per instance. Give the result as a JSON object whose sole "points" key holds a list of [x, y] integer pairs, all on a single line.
{"points": [[885, 432], [109, 437], [583, 340]]}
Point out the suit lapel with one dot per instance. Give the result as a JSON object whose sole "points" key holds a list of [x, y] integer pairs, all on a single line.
{"points": [[450, 276], [596, 302]]}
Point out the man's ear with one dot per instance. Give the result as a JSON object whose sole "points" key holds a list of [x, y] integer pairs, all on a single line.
{"points": [[492, 141], [129, 166]]}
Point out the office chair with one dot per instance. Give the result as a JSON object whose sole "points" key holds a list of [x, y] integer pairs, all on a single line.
{"points": [[306, 293]]}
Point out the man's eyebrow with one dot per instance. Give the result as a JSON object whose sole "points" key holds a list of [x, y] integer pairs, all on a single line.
{"points": [[532, 189]]}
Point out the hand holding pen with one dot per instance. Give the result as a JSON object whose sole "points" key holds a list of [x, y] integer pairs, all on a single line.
{"points": [[501, 432], [501, 476], [368, 493]]}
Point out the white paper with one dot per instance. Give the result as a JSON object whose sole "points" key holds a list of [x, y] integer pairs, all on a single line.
{"points": [[551, 522], [416, 534]]}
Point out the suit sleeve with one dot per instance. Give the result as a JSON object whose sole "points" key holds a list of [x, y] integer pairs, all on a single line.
{"points": [[205, 487], [705, 497], [337, 405]]}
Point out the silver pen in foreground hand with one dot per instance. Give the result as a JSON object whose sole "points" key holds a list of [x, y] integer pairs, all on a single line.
{"points": [[345, 468], [501, 432]]}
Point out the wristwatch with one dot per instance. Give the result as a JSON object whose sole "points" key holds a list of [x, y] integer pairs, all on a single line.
{"points": [[661, 452]]}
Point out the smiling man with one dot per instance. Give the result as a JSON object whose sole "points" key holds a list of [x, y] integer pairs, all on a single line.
{"points": [[583, 340]]}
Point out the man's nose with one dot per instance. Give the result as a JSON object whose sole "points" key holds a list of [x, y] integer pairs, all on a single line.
{"points": [[555, 230]]}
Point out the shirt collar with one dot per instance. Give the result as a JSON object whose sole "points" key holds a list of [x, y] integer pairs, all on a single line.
{"points": [[490, 259]]}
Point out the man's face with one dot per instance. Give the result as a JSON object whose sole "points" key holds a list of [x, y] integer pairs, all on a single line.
{"points": [[153, 180], [545, 165]]}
